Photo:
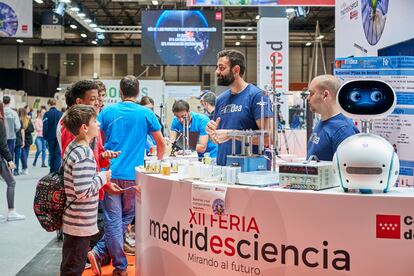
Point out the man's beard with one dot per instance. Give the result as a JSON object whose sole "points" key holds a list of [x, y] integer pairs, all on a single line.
{"points": [[225, 80]]}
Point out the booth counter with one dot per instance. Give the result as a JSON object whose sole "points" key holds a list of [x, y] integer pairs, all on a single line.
{"points": [[272, 231]]}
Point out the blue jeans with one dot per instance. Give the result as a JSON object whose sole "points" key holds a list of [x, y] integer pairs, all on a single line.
{"points": [[17, 154], [119, 211], [40, 148], [54, 155], [24, 156], [11, 144]]}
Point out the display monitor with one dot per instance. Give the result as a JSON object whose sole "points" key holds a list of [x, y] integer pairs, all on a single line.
{"points": [[181, 37]]}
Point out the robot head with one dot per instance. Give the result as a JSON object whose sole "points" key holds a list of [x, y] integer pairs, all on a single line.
{"points": [[366, 99]]}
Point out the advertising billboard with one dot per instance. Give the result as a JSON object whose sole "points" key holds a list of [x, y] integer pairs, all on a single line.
{"points": [[16, 18], [363, 27]]}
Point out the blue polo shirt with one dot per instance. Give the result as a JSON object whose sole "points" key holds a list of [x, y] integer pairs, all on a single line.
{"points": [[240, 111], [126, 126], [198, 124], [328, 134]]}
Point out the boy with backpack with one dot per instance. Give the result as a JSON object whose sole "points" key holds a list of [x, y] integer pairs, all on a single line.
{"points": [[82, 185]]}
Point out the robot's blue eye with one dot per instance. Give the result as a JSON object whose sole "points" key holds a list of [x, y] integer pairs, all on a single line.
{"points": [[376, 96], [355, 96]]}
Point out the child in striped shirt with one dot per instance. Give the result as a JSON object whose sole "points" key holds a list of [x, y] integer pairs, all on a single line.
{"points": [[82, 185]]}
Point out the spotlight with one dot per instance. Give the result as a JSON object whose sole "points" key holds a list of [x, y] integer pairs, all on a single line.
{"points": [[84, 35], [237, 43], [19, 40]]}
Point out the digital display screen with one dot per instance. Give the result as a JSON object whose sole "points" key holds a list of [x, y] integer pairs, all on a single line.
{"points": [[298, 170], [181, 37], [366, 97]]}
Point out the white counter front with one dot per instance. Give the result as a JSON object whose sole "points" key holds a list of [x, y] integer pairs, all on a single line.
{"points": [[273, 232]]}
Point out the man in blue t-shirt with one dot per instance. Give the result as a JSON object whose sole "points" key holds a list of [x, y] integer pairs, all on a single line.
{"points": [[334, 127], [197, 123], [126, 126], [239, 107]]}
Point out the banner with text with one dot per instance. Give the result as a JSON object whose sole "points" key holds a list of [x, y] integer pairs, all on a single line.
{"points": [[53, 26], [273, 58], [362, 27], [151, 88], [16, 18], [398, 128], [273, 232]]}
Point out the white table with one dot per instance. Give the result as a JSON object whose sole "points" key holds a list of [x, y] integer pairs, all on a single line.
{"points": [[273, 232]]}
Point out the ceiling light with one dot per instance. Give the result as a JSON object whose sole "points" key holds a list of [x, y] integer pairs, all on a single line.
{"points": [[257, 17], [155, 2], [64, 1], [84, 35], [250, 29], [93, 25], [74, 8], [94, 42], [59, 89], [39, 1], [73, 26], [88, 20], [19, 40], [237, 43], [308, 44], [290, 10], [243, 37], [320, 37], [81, 14]]}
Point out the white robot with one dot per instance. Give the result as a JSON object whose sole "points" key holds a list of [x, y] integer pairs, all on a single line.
{"points": [[366, 162]]}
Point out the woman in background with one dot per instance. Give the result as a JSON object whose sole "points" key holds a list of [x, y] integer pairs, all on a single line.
{"points": [[40, 141], [27, 138], [6, 165], [18, 147]]}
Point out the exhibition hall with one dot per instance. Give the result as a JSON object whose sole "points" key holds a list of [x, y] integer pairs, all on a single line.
{"points": [[206, 137]]}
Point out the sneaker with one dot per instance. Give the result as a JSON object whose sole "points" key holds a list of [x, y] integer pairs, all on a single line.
{"points": [[129, 250], [25, 171], [119, 272], [16, 173], [2, 218], [95, 265], [44, 166], [13, 215], [34, 164]]}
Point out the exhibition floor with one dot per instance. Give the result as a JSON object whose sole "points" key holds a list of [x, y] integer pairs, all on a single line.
{"points": [[20, 241]]}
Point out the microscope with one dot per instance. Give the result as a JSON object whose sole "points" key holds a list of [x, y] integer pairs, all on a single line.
{"points": [[366, 162]]}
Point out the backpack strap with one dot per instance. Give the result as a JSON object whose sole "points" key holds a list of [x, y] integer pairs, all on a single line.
{"points": [[61, 171], [66, 159]]}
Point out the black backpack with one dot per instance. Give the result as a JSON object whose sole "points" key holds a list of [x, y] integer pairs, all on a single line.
{"points": [[50, 199]]}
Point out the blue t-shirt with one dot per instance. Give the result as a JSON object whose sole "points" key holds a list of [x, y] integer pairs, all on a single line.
{"points": [[240, 111], [126, 126], [198, 124], [327, 135]]}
